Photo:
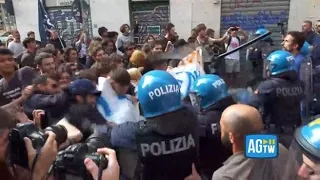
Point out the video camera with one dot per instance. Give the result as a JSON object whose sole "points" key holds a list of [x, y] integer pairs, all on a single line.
{"points": [[17, 150], [69, 163]]}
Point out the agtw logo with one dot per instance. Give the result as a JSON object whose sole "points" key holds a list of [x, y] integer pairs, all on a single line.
{"points": [[261, 146]]}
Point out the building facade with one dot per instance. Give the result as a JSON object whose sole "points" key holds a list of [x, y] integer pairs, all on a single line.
{"points": [[154, 14]]}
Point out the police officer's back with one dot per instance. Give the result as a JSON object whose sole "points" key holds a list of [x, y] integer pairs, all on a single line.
{"points": [[214, 99], [166, 141], [281, 94]]}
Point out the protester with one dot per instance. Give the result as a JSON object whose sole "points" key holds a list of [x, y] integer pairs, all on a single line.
{"points": [[16, 47], [161, 125], [57, 42], [27, 57]]}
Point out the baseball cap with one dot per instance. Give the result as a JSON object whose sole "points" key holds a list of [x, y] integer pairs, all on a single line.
{"points": [[83, 87]]}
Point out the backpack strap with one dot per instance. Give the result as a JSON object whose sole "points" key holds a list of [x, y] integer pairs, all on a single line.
{"points": [[229, 42]]}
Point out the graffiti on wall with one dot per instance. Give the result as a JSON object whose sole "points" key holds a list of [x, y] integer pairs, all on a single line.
{"points": [[71, 21], [243, 3], [253, 21], [152, 21]]}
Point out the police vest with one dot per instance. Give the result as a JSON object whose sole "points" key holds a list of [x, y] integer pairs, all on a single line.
{"points": [[287, 95], [165, 157]]}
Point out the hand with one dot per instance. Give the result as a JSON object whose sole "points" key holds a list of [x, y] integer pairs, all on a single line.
{"points": [[239, 28], [113, 170], [169, 46], [27, 92], [194, 175], [229, 30], [37, 117], [46, 157]]}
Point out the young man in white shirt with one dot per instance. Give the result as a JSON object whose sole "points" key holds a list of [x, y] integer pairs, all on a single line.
{"points": [[233, 60]]}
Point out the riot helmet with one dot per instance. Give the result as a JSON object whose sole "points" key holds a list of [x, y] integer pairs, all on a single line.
{"points": [[261, 31], [159, 93], [280, 61], [304, 153], [210, 89], [305, 50]]}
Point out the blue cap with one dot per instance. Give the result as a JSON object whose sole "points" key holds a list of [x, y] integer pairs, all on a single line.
{"points": [[308, 137], [158, 93], [83, 87]]}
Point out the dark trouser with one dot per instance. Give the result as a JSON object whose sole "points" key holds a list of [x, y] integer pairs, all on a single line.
{"points": [[256, 76]]}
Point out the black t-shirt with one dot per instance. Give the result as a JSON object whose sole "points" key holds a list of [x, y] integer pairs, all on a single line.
{"points": [[12, 90]]}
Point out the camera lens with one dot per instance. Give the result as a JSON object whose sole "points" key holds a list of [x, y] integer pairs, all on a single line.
{"points": [[60, 131]]}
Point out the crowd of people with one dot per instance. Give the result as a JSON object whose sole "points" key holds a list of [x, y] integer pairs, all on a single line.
{"points": [[47, 84]]}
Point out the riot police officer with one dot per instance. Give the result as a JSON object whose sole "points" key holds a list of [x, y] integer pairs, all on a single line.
{"points": [[304, 153], [166, 141], [280, 96], [305, 75], [213, 98], [257, 55]]}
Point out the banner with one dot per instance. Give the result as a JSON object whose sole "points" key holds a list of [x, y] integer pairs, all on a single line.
{"points": [[114, 108], [44, 22], [188, 70]]}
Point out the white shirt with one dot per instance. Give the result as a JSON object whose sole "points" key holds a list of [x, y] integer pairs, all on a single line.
{"points": [[233, 44], [16, 48]]}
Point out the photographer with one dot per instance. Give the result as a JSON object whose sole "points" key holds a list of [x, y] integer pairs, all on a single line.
{"points": [[41, 162], [112, 172]]}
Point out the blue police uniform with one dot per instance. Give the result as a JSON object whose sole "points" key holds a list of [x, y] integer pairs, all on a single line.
{"points": [[280, 96], [303, 65], [166, 142], [214, 99]]}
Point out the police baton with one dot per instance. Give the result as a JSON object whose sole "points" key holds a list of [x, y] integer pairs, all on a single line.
{"points": [[216, 60]]}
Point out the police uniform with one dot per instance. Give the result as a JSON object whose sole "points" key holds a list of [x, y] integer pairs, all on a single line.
{"points": [[167, 153], [304, 67], [280, 97], [257, 56], [166, 141], [214, 99]]}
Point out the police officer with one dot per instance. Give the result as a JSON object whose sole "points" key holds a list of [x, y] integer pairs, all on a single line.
{"points": [[213, 98], [166, 141], [304, 153], [305, 75], [280, 96], [257, 55]]}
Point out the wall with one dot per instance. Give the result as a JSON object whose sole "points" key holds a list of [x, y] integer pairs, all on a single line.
{"points": [[186, 14], [308, 10], [26, 15], [152, 17], [253, 14], [109, 13], [70, 18]]}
